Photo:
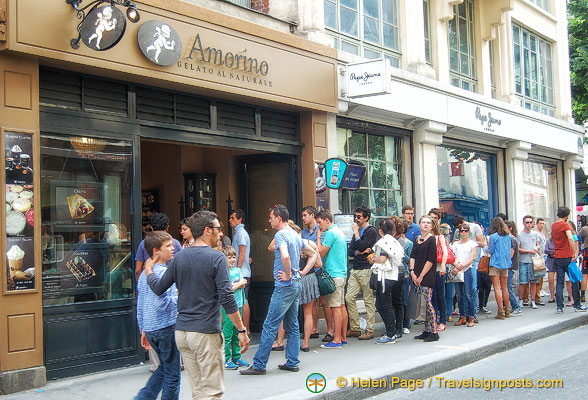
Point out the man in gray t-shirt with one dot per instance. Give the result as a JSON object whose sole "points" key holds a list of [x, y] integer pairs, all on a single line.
{"points": [[529, 245]]}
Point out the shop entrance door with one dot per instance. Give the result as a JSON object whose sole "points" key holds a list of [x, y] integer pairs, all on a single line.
{"points": [[267, 180]]}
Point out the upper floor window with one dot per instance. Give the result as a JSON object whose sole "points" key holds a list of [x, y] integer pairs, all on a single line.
{"points": [[492, 69], [367, 28], [533, 71], [426, 13], [544, 4], [242, 3], [462, 55]]}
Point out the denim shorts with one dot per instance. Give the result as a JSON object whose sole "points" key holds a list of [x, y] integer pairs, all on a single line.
{"points": [[527, 274]]}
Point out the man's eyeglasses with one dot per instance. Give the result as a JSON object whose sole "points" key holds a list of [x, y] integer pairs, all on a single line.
{"points": [[220, 228], [529, 222]]}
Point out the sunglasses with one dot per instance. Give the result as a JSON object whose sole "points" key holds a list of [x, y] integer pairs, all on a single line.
{"points": [[464, 230]]}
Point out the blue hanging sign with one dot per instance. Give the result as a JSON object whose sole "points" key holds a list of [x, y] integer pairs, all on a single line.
{"points": [[334, 171], [353, 175]]}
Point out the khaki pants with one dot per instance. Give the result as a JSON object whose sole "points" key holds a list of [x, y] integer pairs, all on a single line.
{"points": [[204, 357], [359, 279]]}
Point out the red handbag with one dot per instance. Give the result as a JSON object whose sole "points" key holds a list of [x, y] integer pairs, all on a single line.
{"points": [[450, 255]]}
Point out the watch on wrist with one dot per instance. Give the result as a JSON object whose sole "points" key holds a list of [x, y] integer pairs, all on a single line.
{"points": [[243, 331]]}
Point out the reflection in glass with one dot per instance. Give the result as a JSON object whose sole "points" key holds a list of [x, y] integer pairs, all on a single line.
{"points": [[378, 202], [357, 145], [377, 172], [86, 214], [376, 147]]}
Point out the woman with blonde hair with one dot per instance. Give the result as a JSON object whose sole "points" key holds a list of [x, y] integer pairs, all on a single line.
{"points": [[501, 253]]}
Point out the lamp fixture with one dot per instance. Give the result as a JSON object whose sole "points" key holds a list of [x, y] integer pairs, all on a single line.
{"points": [[109, 23]]}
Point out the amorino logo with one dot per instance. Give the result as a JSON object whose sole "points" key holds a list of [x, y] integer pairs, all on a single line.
{"points": [[230, 60]]}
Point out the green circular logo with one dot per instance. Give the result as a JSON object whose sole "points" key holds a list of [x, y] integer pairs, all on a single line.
{"points": [[316, 383]]}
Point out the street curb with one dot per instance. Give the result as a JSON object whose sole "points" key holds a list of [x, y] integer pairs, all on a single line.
{"points": [[431, 368]]}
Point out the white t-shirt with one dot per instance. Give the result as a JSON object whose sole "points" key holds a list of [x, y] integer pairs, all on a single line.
{"points": [[463, 251]]}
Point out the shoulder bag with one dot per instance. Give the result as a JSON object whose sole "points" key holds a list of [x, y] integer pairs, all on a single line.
{"points": [[326, 283], [450, 255], [484, 264]]}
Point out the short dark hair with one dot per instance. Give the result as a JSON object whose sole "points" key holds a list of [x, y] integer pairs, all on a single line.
{"points": [[563, 212], [388, 226], [324, 214], [281, 211], [399, 223], [200, 220], [512, 226], [159, 222], [155, 240], [239, 214], [437, 211], [457, 220], [407, 207], [527, 217], [365, 211], [310, 210], [539, 219], [502, 215]]}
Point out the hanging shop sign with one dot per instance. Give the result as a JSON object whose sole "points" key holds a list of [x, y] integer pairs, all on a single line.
{"points": [[368, 78], [342, 175], [353, 174], [159, 42], [103, 28], [19, 212]]}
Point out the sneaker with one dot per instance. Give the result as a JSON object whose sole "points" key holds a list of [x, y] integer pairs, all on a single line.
{"points": [[332, 345], [387, 340], [343, 342], [525, 303], [406, 331], [485, 310], [540, 303], [231, 365], [252, 371], [533, 305], [559, 311], [241, 363], [543, 293], [284, 367], [418, 322], [433, 337], [516, 313], [422, 335], [581, 309]]}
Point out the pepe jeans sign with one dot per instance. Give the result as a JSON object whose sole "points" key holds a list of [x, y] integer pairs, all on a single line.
{"points": [[487, 121], [368, 78]]}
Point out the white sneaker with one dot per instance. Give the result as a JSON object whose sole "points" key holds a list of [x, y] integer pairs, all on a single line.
{"points": [[406, 331], [533, 305], [543, 293]]}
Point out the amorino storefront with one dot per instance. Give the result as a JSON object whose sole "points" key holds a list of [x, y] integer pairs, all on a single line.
{"points": [[107, 118]]}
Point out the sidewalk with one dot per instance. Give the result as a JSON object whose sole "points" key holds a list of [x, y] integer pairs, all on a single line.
{"points": [[407, 359]]}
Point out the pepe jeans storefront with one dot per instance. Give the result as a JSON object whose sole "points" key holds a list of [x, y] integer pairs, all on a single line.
{"points": [[172, 113], [467, 154]]}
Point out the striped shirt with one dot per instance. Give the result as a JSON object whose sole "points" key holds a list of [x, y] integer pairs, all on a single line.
{"points": [[155, 312]]}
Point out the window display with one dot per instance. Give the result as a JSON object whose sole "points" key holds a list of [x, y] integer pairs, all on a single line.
{"points": [[20, 213], [86, 188]]}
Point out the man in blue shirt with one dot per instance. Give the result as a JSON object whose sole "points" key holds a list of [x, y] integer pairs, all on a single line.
{"points": [[284, 302], [412, 229], [242, 246]]}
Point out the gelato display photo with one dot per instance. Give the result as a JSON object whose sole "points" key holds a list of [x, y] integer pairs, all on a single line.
{"points": [[21, 263]]}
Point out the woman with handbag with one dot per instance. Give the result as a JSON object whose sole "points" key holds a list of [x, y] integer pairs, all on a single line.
{"points": [[465, 253], [515, 306], [439, 290], [501, 252], [389, 275], [422, 272]]}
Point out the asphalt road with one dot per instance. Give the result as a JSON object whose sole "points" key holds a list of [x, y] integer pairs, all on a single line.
{"points": [[561, 357]]}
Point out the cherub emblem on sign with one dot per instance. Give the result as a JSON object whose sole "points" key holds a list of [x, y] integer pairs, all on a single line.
{"points": [[162, 40], [105, 22]]}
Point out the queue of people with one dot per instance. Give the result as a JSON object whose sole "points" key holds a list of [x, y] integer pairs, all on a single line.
{"points": [[391, 264]]}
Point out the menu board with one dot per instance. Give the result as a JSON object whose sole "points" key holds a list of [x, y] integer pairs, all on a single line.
{"points": [[79, 206], [149, 206], [20, 213]]}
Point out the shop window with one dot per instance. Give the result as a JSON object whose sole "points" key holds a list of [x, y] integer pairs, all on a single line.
{"points": [[368, 28], [467, 184], [533, 70], [86, 219], [462, 54], [540, 190], [380, 188]]}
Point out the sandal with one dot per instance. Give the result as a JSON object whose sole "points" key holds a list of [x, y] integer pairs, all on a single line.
{"points": [[278, 348], [328, 338]]}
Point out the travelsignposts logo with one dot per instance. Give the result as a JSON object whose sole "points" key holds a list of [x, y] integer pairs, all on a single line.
{"points": [[316, 383]]}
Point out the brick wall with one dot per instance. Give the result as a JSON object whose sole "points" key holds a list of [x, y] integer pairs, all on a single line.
{"points": [[260, 5]]}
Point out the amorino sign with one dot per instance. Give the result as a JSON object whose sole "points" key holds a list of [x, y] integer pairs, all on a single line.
{"points": [[212, 52]]}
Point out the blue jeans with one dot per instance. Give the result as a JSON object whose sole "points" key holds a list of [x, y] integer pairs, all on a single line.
{"points": [[283, 306], [561, 268], [439, 298], [405, 288], [475, 284], [514, 303], [166, 378], [449, 287], [466, 294]]}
